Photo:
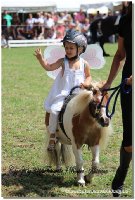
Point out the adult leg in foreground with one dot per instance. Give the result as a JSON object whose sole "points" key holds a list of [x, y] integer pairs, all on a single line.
{"points": [[118, 181]]}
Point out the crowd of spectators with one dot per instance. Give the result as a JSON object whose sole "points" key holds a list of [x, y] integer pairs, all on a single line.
{"points": [[45, 25]]}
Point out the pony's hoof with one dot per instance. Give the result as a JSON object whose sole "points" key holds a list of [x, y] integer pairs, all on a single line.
{"points": [[81, 183], [51, 148], [59, 170], [88, 178]]}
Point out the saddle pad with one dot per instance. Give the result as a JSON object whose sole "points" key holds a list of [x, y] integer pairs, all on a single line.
{"points": [[60, 118]]}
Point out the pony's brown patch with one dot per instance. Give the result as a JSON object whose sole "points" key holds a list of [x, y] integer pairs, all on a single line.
{"points": [[85, 130]]}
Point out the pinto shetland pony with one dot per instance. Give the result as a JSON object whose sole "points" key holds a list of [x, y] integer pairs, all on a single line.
{"points": [[84, 123]]}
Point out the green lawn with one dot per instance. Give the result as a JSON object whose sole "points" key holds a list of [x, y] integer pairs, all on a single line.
{"points": [[24, 88]]}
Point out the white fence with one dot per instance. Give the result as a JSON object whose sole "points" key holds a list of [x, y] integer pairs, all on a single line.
{"points": [[32, 43]]}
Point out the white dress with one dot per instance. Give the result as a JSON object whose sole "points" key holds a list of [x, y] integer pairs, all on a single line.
{"points": [[63, 85]]}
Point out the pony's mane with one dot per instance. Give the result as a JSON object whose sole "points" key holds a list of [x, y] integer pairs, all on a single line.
{"points": [[97, 84], [80, 102]]}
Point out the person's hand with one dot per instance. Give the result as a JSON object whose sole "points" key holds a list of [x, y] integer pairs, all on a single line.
{"points": [[84, 86], [105, 86], [38, 53], [129, 80]]}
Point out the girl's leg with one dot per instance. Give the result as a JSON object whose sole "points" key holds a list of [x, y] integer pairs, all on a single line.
{"points": [[53, 120]]}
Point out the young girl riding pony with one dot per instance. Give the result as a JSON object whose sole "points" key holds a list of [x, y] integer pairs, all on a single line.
{"points": [[75, 71]]}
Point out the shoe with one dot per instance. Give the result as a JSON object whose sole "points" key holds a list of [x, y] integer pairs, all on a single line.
{"points": [[51, 146], [106, 55], [116, 187]]}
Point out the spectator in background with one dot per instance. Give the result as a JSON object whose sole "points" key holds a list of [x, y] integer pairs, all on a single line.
{"points": [[39, 27], [69, 18], [72, 26], [78, 26], [16, 20], [39, 19], [15, 23], [55, 17], [3, 41], [49, 26], [80, 16], [85, 26], [63, 16], [20, 32], [30, 22], [91, 17], [4, 28], [85, 29], [60, 29], [98, 15], [124, 8], [68, 21], [8, 18], [49, 21]]}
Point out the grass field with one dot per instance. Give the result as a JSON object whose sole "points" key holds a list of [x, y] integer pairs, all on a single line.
{"points": [[24, 88]]}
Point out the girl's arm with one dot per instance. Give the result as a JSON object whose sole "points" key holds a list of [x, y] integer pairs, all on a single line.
{"points": [[45, 64], [88, 77]]}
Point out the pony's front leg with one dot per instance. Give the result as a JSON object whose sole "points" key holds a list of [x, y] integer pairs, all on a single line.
{"points": [[95, 157], [79, 165], [58, 156], [95, 163]]}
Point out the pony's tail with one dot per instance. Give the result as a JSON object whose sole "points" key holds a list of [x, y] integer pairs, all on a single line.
{"points": [[62, 155], [67, 155]]}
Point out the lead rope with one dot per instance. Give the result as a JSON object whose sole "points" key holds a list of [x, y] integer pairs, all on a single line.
{"points": [[116, 90]]}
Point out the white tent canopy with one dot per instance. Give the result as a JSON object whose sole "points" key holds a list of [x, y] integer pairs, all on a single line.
{"points": [[103, 7], [28, 6], [97, 5], [61, 5], [70, 5], [52, 5], [75, 5], [102, 10]]}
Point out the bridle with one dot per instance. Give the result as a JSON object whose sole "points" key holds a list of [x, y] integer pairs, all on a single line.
{"points": [[93, 104], [97, 109], [116, 91]]}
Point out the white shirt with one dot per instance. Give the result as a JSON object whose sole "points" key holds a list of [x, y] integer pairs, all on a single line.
{"points": [[49, 23], [63, 85]]}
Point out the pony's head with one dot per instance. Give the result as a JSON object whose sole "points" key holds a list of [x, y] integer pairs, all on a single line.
{"points": [[99, 113], [96, 107], [90, 99]]}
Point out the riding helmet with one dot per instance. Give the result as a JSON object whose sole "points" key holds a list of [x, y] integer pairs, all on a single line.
{"points": [[77, 38]]}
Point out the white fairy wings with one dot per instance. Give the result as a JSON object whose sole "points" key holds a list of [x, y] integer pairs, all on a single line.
{"points": [[93, 55]]}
